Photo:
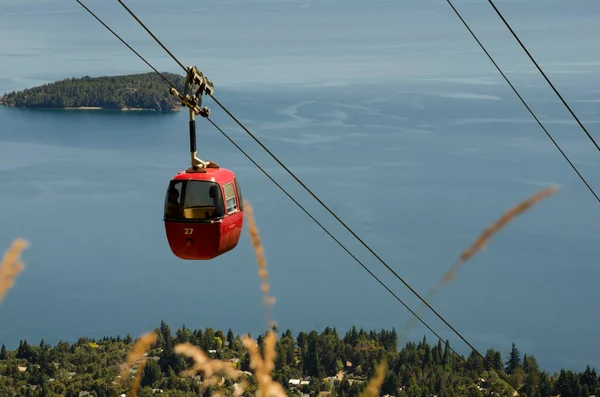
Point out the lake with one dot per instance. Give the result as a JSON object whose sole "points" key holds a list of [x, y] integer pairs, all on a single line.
{"points": [[404, 129]]}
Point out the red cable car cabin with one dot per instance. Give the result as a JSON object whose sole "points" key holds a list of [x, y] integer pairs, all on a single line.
{"points": [[203, 213]]}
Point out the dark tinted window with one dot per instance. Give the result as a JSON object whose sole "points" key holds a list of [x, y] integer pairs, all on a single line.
{"points": [[201, 200], [173, 200]]}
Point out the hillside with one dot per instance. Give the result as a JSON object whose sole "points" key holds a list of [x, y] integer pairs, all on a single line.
{"points": [[146, 91], [310, 363]]}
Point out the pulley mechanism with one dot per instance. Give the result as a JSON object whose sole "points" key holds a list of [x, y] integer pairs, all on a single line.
{"points": [[196, 85]]}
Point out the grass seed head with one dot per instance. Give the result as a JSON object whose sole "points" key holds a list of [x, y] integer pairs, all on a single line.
{"points": [[11, 266]]}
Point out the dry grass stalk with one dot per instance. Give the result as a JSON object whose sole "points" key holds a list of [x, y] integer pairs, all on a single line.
{"points": [[480, 243], [11, 266], [136, 354], [260, 258], [214, 370], [263, 367], [374, 385], [482, 240]]}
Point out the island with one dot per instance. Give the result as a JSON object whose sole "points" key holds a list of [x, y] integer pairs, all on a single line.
{"points": [[144, 91]]}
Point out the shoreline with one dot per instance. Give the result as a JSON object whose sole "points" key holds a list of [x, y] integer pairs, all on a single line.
{"points": [[126, 109]]}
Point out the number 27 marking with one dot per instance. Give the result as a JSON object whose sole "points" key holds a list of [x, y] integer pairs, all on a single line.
{"points": [[189, 230]]}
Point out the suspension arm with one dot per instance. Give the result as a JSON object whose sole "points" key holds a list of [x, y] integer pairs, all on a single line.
{"points": [[195, 79]]}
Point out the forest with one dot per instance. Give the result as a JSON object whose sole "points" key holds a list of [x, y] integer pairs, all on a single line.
{"points": [[146, 91], [313, 363]]}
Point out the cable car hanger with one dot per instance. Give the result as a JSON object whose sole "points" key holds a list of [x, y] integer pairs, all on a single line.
{"points": [[195, 78]]}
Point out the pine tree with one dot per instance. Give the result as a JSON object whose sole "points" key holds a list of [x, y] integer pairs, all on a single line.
{"points": [[390, 384], [475, 362], [24, 351], [589, 378], [514, 360], [497, 362], [151, 373], [564, 384], [530, 364], [446, 357], [393, 341], [3, 354], [230, 338], [545, 388], [438, 353]]}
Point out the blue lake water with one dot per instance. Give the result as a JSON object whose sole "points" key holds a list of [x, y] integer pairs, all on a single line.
{"points": [[405, 130]]}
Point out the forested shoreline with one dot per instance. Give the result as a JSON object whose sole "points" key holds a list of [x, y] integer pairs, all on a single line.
{"points": [[145, 91], [310, 363]]}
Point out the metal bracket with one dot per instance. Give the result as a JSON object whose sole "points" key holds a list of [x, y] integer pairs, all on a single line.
{"points": [[204, 86], [195, 79]]}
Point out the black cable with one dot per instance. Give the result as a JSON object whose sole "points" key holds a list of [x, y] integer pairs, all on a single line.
{"points": [[329, 210], [542, 72], [363, 243], [344, 248], [151, 34], [523, 100], [354, 234], [128, 46]]}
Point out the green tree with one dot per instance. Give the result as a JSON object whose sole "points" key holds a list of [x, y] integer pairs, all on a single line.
{"points": [[565, 384], [531, 384], [390, 384], [151, 375], [514, 360], [530, 364], [183, 335], [589, 378], [475, 362], [312, 364], [230, 338], [545, 387]]}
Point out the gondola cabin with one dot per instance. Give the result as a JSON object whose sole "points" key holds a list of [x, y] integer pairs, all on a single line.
{"points": [[203, 213]]}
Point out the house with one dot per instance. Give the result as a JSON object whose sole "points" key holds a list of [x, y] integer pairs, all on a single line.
{"points": [[299, 382]]}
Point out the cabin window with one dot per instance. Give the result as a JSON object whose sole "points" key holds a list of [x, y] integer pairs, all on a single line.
{"points": [[230, 199], [173, 201], [201, 200], [239, 192]]}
